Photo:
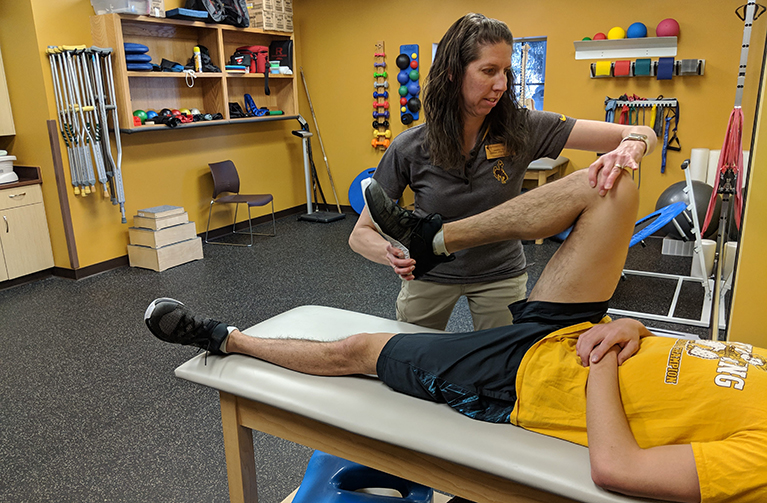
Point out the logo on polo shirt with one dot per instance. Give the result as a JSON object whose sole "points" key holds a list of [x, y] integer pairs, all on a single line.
{"points": [[499, 173]]}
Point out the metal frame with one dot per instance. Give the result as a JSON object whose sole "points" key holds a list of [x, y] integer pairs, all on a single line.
{"points": [[234, 225]]}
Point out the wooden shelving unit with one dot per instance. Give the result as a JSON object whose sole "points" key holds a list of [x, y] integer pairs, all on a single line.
{"points": [[211, 93]]}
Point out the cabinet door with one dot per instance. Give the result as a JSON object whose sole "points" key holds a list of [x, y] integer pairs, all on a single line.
{"points": [[3, 270], [25, 240]]}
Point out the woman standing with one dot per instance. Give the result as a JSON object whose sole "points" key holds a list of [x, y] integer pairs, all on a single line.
{"points": [[471, 155]]}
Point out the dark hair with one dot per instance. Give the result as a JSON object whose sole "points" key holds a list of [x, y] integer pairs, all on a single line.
{"points": [[442, 91]]}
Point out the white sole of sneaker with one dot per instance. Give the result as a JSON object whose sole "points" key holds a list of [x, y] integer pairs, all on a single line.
{"points": [[390, 239], [150, 308]]}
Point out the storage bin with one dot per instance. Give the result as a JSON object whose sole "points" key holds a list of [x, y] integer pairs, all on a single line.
{"points": [[138, 7]]}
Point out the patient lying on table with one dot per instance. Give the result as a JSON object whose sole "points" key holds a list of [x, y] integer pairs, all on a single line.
{"points": [[671, 419]]}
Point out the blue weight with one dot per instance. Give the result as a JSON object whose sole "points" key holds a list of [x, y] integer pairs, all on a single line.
{"points": [[403, 77], [413, 88]]}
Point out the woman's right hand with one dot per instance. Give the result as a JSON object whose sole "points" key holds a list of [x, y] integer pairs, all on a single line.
{"points": [[402, 266]]}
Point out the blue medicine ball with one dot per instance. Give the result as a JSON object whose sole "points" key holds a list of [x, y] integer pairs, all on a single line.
{"points": [[636, 30]]}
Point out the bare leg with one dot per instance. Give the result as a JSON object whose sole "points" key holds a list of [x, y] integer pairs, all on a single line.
{"points": [[356, 354], [587, 266]]}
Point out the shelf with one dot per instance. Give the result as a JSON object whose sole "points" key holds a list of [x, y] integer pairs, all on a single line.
{"points": [[224, 122], [257, 76], [627, 48], [173, 75], [201, 24]]}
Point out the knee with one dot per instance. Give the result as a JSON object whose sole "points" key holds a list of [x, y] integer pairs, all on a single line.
{"points": [[355, 354]]}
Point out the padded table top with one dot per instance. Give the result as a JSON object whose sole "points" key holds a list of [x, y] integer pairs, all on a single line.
{"points": [[547, 163], [365, 406]]}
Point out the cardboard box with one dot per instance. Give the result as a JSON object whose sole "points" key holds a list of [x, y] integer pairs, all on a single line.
{"points": [[166, 257], [160, 223], [157, 8], [262, 19], [279, 6], [263, 5], [279, 21], [163, 237], [289, 23], [287, 6], [165, 210]]}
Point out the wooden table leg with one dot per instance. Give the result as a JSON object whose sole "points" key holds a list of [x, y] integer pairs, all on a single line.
{"points": [[240, 457]]}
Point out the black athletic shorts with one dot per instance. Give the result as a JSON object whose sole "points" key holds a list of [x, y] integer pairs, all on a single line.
{"points": [[475, 372]]}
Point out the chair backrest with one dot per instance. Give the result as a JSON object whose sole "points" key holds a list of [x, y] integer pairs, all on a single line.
{"points": [[225, 177]]}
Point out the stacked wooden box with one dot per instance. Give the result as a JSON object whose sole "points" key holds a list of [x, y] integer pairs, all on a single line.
{"points": [[162, 237], [273, 15]]}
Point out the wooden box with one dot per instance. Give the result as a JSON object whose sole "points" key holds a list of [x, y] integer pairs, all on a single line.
{"points": [[162, 237], [160, 259], [160, 223]]}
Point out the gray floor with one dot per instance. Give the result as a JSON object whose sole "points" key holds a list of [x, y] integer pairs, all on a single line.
{"points": [[90, 409]]}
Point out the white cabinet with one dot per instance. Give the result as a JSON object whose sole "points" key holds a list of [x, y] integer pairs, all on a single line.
{"points": [[24, 238], [6, 117]]}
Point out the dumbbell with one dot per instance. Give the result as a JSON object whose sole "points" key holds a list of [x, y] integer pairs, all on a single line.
{"points": [[384, 94], [385, 85], [377, 124], [377, 133], [380, 143], [380, 55], [382, 65], [385, 104], [381, 114], [380, 74]]}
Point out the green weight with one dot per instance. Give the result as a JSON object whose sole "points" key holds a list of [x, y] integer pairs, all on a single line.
{"points": [[403, 90], [414, 74], [380, 74]]}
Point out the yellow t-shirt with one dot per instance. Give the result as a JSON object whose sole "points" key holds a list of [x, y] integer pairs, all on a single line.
{"points": [[712, 395]]}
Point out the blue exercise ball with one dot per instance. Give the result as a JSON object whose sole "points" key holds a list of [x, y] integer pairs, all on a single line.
{"points": [[636, 30], [676, 193]]}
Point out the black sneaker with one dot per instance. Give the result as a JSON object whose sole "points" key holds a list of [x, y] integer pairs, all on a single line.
{"points": [[169, 320], [411, 234]]}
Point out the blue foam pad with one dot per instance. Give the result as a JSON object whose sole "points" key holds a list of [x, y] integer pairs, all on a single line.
{"points": [[355, 190], [189, 14], [139, 67], [138, 58], [131, 48], [330, 479]]}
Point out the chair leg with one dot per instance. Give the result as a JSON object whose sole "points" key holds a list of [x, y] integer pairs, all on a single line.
{"points": [[211, 242], [274, 225]]}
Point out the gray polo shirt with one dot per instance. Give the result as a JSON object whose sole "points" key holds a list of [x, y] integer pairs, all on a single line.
{"points": [[480, 185]]}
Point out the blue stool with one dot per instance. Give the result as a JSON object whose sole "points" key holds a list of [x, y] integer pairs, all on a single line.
{"points": [[355, 190], [330, 479]]}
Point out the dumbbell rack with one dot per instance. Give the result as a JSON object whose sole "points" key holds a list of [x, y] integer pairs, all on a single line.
{"points": [[381, 131]]}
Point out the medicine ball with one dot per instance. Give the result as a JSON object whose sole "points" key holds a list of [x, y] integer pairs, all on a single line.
{"points": [[676, 193], [667, 28]]}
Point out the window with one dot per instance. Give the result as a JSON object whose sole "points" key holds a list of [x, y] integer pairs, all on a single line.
{"points": [[536, 69]]}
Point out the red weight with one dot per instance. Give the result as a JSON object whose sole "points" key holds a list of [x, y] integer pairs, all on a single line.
{"points": [[414, 64]]}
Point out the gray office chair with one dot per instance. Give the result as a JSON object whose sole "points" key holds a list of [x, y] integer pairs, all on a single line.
{"points": [[226, 179]]}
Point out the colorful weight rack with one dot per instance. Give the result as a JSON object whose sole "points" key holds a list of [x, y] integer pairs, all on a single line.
{"points": [[381, 131], [409, 64]]}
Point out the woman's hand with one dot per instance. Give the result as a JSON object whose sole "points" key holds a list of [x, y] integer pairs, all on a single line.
{"points": [[604, 172], [402, 266]]}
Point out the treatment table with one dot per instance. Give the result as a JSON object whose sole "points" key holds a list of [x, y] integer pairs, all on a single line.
{"points": [[360, 419]]}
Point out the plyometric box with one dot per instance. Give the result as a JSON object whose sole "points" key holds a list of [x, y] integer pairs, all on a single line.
{"points": [[160, 259]]}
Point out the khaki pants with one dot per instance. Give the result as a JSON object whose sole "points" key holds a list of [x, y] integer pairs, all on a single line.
{"points": [[430, 304]]}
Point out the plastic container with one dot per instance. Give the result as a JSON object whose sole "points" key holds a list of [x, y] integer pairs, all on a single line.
{"points": [[138, 7], [7, 175]]}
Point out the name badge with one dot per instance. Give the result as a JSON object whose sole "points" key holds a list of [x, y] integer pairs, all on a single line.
{"points": [[495, 151]]}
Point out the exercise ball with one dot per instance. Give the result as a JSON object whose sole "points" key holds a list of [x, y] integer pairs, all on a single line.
{"points": [[676, 193], [616, 33], [636, 30], [600, 36], [667, 28]]}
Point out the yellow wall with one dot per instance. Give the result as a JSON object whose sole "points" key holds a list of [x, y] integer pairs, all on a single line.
{"points": [[334, 45], [746, 319], [338, 62]]}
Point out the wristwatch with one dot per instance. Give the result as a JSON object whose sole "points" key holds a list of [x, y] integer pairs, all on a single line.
{"points": [[638, 137]]}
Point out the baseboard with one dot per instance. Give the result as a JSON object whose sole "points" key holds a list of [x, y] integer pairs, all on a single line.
{"points": [[115, 263]]}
